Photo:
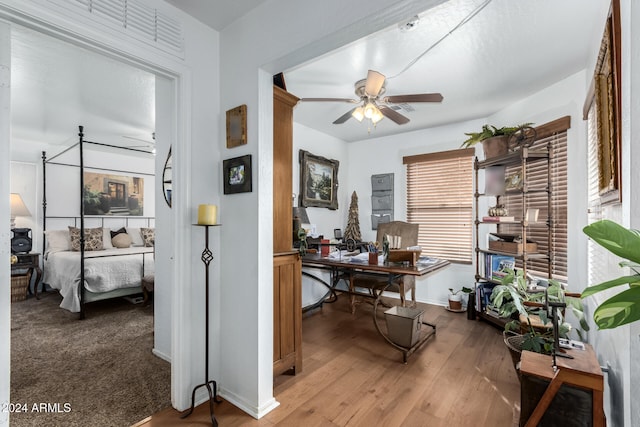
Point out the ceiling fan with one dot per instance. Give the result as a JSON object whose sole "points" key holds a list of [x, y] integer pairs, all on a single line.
{"points": [[373, 105]]}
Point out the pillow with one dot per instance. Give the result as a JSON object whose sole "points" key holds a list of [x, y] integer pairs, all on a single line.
{"points": [[57, 241], [92, 239], [148, 236], [121, 240], [106, 238], [116, 232], [136, 237]]}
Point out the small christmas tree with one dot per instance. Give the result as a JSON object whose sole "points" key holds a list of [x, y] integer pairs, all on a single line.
{"points": [[353, 223]]}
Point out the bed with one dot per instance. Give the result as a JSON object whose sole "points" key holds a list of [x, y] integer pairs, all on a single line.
{"points": [[96, 255], [108, 273]]}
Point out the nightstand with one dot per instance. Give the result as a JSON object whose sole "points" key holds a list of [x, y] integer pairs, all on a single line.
{"points": [[31, 263]]}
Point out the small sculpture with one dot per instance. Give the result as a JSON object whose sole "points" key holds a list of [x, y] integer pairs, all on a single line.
{"points": [[498, 210]]}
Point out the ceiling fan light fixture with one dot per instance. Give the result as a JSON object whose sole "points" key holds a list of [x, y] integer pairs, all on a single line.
{"points": [[358, 114], [370, 109], [377, 116]]}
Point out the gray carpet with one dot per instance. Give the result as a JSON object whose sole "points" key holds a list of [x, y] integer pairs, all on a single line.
{"points": [[94, 372]]}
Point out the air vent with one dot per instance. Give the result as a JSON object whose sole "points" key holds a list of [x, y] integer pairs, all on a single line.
{"points": [[407, 108], [137, 20]]}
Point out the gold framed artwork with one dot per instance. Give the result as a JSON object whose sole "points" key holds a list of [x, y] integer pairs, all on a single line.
{"points": [[237, 126], [607, 97], [513, 181]]}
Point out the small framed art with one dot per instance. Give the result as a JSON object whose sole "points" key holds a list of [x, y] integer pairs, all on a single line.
{"points": [[237, 175], [237, 126]]}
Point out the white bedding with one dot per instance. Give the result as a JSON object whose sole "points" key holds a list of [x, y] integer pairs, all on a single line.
{"points": [[102, 273]]}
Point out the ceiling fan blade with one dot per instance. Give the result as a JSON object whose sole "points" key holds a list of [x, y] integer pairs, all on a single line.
{"points": [[419, 97], [349, 100], [343, 118], [393, 115], [375, 81]]}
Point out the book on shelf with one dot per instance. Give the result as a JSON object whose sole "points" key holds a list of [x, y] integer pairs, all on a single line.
{"points": [[497, 267], [498, 219]]}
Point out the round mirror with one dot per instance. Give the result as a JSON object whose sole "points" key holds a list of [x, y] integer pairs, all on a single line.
{"points": [[166, 179]]}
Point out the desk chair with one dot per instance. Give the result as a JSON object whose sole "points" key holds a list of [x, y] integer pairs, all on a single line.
{"points": [[409, 235]]}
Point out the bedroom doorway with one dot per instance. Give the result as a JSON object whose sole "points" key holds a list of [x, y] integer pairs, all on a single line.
{"points": [[164, 96]]}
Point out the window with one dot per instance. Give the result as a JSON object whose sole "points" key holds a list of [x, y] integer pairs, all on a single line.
{"points": [[440, 199], [551, 136]]}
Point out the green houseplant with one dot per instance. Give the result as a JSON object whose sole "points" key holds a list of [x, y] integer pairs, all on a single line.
{"points": [[495, 141], [455, 298], [513, 297], [623, 307]]}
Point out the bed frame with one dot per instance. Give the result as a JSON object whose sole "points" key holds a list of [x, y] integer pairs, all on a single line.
{"points": [[87, 296]]}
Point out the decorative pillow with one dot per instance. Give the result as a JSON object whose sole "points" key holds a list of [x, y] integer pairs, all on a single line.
{"points": [[57, 241], [121, 240], [136, 237], [92, 239], [106, 238], [148, 236], [116, 232]]}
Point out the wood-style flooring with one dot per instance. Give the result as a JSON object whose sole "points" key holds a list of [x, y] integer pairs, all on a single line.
{"points": [[351, 377]]}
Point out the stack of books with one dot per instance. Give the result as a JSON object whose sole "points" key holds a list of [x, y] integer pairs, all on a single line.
{"points": [[498, 219]]}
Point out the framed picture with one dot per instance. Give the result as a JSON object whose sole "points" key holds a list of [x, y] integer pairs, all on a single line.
{"points": [[237, 126], [608, 107], [106, 194], [237, 175], [513, 181], [318, 181]]}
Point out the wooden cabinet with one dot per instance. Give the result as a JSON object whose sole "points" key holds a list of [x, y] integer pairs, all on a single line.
{"points": [[287, 267], [287, 313]]}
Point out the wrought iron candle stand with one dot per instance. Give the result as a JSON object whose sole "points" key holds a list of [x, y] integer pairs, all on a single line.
{"points": [[210, 385]]}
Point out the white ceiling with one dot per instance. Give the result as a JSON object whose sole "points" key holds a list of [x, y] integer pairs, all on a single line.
{"points": [[509, 50], [56, 86], [217, 14]]}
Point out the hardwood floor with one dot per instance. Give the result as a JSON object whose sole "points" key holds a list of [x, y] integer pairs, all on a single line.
{"points": [[351, 377]]}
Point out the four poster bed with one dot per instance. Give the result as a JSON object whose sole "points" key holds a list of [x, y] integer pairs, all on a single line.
{"points": [[95, 256]]}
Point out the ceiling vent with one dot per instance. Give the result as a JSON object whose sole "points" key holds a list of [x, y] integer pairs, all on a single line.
{"points": [[137, 20]]}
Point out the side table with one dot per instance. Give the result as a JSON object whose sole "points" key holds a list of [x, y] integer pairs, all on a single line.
{"points": [[30, 262]]}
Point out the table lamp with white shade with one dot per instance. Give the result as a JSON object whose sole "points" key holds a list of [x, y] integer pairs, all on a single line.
{"points": [[18, 208]]}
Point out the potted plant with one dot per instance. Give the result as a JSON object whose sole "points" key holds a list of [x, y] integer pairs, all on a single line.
{"points": [[455, 299], [623, 307], [495, 141], [513, 297]]}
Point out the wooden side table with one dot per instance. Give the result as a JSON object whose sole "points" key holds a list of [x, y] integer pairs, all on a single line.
{"points": [[582, 371], [31, 262]]}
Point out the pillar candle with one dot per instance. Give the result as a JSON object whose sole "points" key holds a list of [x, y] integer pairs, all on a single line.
{"points": [[207, 214]]}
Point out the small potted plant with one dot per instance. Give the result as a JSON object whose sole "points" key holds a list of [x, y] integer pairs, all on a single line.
{"points": [[455, 299], [495, 141]]}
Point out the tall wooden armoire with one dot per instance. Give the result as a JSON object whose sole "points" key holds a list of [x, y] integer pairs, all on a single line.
{"points": [[287, 268]]}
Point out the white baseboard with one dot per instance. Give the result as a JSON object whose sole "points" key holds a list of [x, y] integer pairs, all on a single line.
{"points": [[254, 411], [161, 355]]}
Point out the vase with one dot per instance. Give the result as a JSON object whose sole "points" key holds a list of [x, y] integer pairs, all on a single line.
{"points": [[495, 146]]}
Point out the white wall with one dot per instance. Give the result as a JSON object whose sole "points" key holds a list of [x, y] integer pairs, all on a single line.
{"points": [[5, 281], [196, 121], [266, 41], [320, 144]]}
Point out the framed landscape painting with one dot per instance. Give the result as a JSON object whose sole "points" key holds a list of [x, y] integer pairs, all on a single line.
{"points": [[318, 181]]}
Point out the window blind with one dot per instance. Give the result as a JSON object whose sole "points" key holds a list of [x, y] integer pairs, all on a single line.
{"points": [[440, 199], [537, 181], [597, 256]]}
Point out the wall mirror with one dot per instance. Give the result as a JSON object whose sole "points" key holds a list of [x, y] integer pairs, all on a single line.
{"points": [[167, 179]]}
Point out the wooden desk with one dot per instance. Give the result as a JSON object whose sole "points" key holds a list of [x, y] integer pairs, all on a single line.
{"points": [[581, 371], [344, 268], [30, 262]]}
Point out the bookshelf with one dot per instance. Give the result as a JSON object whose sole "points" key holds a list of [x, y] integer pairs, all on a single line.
{"points": [[492, 255]]}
